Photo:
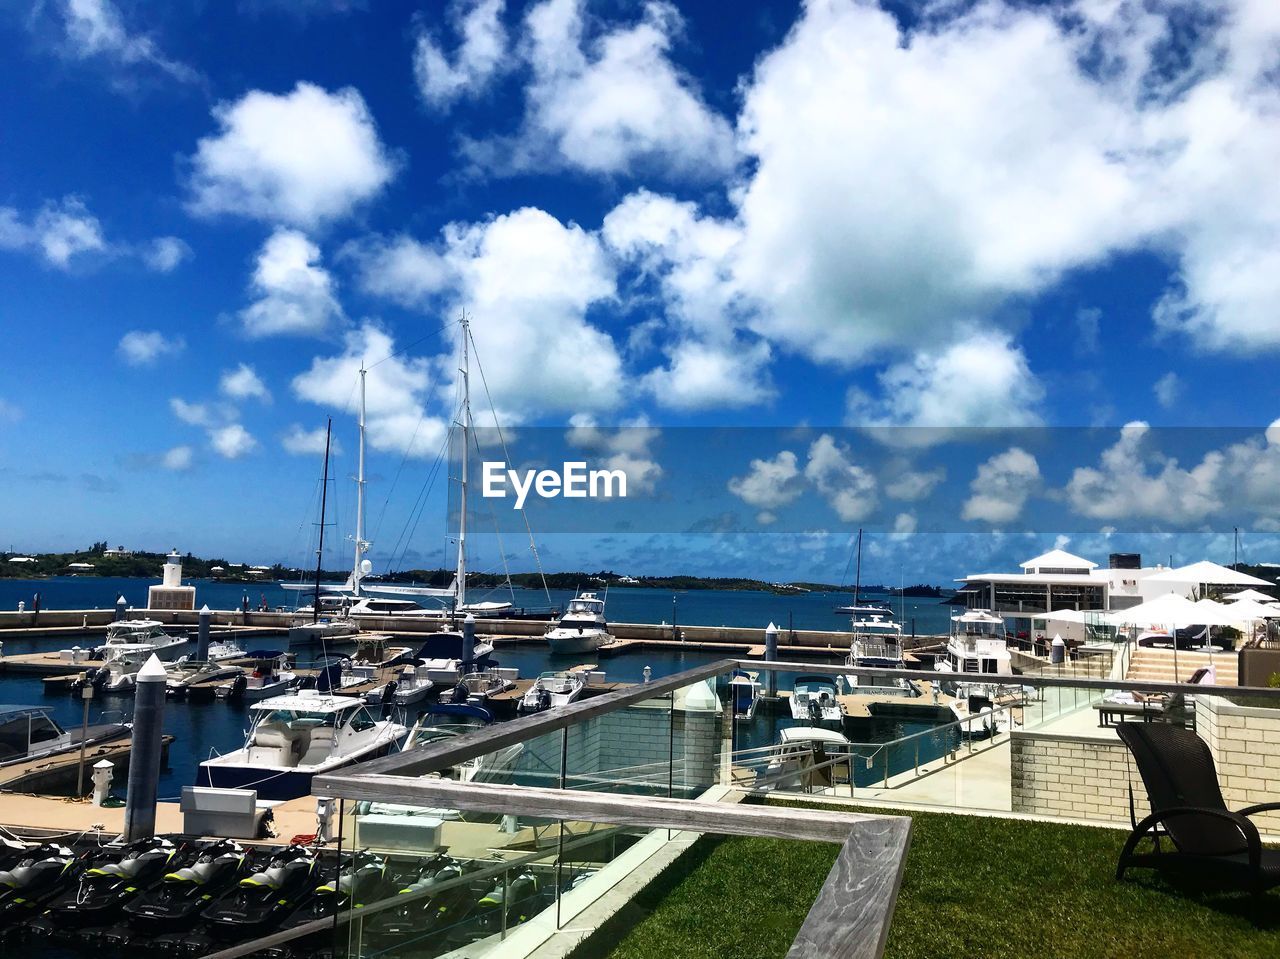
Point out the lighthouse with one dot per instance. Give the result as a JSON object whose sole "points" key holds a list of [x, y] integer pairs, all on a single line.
{"points": [[171, 594]]}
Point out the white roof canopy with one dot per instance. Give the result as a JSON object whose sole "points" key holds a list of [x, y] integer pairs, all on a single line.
{"points": [[1249, 609], [1063, 616], [1058, 559], [1174, 610], [1208, 573]]}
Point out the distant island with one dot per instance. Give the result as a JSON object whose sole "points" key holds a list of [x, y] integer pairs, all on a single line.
{"points": [[103, 560]]}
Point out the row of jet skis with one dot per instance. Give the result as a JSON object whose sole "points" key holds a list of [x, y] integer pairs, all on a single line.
{"points": [[182, 897]]}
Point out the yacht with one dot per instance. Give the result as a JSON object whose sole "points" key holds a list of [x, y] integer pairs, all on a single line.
{"points": [[271, 674], [582, 629], [29, 732], [322, 631], [977, 645], [877, 639], [552, 689], [296, 737], [442, 653], [813, 701], [224, 650], [119, 670]]}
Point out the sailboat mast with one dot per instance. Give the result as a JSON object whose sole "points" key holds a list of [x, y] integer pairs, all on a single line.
{"points": [[857, 580], [324, 500], [357, 573], [460, 597]]}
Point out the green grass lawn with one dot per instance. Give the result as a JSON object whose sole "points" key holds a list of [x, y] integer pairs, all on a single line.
{"points": [[973, 888]]}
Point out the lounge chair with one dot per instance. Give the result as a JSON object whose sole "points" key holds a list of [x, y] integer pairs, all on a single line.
{"points": [[1188, 810]]}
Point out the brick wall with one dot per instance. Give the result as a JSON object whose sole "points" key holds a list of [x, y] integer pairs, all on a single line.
{"points": [[1074, 777], [1245, 742]]}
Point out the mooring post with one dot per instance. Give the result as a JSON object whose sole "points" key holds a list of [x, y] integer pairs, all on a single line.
{"points": [[468, 638], [144, 758], [771, 656], [121, 606], [202, 636]]}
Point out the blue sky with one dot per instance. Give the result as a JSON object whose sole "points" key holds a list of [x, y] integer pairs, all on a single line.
{"points": [[829, 216]]}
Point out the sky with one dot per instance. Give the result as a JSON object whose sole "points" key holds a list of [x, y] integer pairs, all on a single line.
{"points": [[981, 277]]}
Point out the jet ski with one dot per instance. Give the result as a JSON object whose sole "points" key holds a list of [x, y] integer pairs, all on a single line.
{"points": [[520, 898], [182, 894], [112, 881], [39, 874], [261, 900], [425, 912], [362, 880]]}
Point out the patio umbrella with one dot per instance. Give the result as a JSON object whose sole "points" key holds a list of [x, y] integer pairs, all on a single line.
{"points": [[1063, 615], [1248, 609], [1206, 573], [1171, 608], [1252, 594]]}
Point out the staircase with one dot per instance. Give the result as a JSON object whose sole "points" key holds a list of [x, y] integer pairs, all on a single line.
{"points": [[1156, 666]]}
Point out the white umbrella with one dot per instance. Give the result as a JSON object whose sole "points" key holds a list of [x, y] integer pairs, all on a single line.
{"points": [[1244, 609], [1252, 594], [1210, 574], [1063, 616], [1166, 610]]}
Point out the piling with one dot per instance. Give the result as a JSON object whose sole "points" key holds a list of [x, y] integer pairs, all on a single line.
{"points": [[468, 638], [144, 760], [121, 608], [771, 656], [1057, 650], [202, 637]]}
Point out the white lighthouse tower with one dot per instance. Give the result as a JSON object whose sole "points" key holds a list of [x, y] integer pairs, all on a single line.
{"points": [[171, 594]]}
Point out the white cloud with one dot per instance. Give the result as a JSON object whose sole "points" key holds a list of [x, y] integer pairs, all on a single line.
{"points": [[709, 362], [95, 28], [911, 485], [1167, 389], [166, 253], [981, 380], [178, 459], [9, 412], [304, 442], [144, 347], [232, 441], [193, 414], [60, 232], [295, 293], [848, 488], [904, 525], [478, 59], [611, 101], [627, 448], [1002, 486], [769, 483], [396, 392], [243, 383], [1133, 480], [704, 376], [302, 158], [400, 269]]}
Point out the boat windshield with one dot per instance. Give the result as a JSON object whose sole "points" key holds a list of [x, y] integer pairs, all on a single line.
{"points": [[299, 718], [588, 606]]}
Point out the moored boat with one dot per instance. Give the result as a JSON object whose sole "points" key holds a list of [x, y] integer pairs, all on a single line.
{"points": [[582, 628]]}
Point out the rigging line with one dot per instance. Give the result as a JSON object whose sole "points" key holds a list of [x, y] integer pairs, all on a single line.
{"points": [[377, 528], [533, 546], [497, 532], [419, 506], [409, 346], [845, 578]]}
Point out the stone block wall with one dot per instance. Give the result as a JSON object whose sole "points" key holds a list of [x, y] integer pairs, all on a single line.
{"points": [[1245, 742], [1074, 777]]}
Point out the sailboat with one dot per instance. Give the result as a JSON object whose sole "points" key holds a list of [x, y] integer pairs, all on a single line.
{"points": [[355, 600], [860, 607]]}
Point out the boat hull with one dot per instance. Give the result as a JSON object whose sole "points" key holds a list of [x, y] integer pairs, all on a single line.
{"points": [[272, 784], [584, 643]]}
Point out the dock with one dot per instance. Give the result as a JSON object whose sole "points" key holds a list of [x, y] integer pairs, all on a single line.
{"points": [[58, 773]]}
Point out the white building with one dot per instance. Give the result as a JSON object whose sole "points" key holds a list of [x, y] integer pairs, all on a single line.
{"points": [[1059, 580], [117, 551], [171, 594]]}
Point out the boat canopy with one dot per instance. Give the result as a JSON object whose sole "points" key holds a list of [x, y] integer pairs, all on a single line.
{"points": [[446, 645], [459, 709], [810, 734], [302, 703]]}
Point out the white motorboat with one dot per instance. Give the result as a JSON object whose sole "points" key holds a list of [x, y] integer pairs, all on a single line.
{"points": [[191, 678], [877, 640], [136, 632], [745, 690], [444, 653], [410, 685], [271, 674], [224, 650], [322, 631], [582, 628], [799, 757], [477, 687], [29, 732], [813, 701], [119, 669], [552, 689], [296, 737]]}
